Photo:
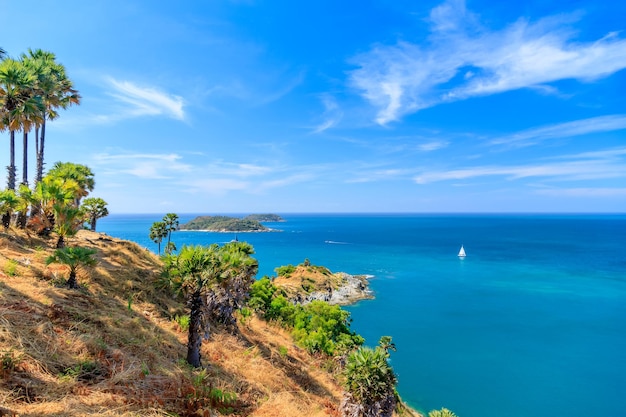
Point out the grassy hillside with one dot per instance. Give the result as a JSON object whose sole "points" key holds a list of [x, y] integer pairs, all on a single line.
{"points": [[114, 347]]}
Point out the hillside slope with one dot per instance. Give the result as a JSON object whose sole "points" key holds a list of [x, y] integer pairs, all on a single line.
{"points": [[114, 348]]}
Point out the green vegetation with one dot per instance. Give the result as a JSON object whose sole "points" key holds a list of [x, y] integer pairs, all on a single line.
{"points": [[214, 281], [163, 229], [158, 231], [370, 382], [224, 224], [94, 209], [318, 326], [285, 270], [74, 258]]}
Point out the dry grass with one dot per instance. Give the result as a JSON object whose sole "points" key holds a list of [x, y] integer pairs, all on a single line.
{"points": [[111, 348]]}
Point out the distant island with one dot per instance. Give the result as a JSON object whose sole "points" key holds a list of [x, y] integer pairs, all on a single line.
{"points": [[250, 223], [265, 217]]}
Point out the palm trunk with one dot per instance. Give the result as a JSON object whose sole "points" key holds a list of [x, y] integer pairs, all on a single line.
{"points": [[25, 160], [93, 223], [61, 242], [72, 283], [39, 151], [11, 167], [194, 341]]}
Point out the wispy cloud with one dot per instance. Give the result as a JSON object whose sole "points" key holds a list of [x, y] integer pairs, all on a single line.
{"points": [[432, 146], [465, 59], [331, 116], [588, 166], [143, 165], [565, 130], [583, 192], [146, 101]]}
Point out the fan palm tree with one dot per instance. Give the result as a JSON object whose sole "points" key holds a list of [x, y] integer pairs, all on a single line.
{"points": [[9, 202], [51, 195], [198, 271], [56, 92], [157, 232], [370, 383], [68, 221], [94, 208], [74, 258], [80, 174], [16, 105], [171, 225]]}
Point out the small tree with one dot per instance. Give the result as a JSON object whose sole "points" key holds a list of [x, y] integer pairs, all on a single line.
{"points": [[94, 208], [370, 383], [73, 258], [9, 202]]}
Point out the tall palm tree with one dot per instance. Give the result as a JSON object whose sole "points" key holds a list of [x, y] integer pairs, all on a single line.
{"points": [[74, 258], [171, 225], [56, 91], [157, 232], [16, 102]]}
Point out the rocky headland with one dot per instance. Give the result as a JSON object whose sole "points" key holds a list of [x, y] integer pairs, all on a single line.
{"points": [[305, 283]]}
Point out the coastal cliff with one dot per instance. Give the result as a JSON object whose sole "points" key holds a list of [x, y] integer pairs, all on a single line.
{"points": [[304, 283]]}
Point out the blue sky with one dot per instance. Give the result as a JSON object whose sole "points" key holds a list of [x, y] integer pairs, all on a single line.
{"points": [[338, 106]]}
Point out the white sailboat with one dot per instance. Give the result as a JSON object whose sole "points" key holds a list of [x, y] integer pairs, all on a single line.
{"points": [[462, 252]]}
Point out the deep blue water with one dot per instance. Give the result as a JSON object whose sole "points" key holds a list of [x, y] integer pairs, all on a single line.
{"points": [[531, 324]]}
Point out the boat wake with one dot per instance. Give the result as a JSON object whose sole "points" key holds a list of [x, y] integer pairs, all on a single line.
{"points": [[332, 242]]}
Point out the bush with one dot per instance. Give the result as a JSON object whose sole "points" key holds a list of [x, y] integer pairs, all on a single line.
{"points": [[285, 270]]}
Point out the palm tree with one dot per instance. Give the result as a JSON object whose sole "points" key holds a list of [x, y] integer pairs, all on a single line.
{"points": [[94, 208], [157, 232], [197, 272], [9, 202], [231, 289], [80, 174], [74, 258], [16, 102], [370, 383], [68, 221], [171, 225], [51, 195], [56, 92]]}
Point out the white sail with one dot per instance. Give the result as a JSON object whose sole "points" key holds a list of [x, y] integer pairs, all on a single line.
{"points": [[462, 252]]}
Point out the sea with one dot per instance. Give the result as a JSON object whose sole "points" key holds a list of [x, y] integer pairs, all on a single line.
{"points": [[531, 323]]}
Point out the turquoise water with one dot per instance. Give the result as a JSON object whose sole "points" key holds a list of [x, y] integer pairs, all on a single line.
{"points": [[531, 323]]}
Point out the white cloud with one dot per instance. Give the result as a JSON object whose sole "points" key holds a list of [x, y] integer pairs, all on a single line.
{"points": [[432, 146], [564, 130], [583, 192], [331, 116], [580, 167], [147, 101], [464, 59], [148, 166]]}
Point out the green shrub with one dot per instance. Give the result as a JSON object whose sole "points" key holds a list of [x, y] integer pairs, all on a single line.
{"points": [[10, 268], [285, 270], [182, 321]]}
